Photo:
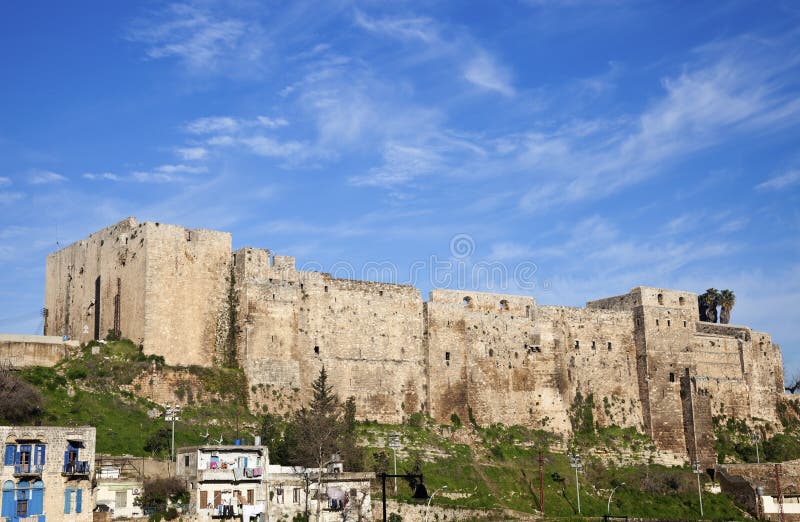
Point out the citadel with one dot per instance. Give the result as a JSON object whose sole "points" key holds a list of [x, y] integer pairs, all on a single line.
{"points": [[644, 357]]}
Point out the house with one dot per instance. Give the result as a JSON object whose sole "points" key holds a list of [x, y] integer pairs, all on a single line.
{"points": [[342, 495], [118, 483], [46, 473], [225, 482], [768, 491]]}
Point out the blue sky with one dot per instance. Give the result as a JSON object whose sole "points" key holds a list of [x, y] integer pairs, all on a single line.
{"points": [[568, 150]]}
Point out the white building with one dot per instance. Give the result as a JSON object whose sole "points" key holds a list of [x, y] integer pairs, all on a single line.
{"points": [[118, 485]]}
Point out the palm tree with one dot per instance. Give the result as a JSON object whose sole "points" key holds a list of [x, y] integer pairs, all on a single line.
{"points": [[709, 302], [726, 301]]}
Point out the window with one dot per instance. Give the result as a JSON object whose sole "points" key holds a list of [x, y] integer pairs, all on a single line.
{"points": [[661, 299], [466, 302], [684, 324], [316, 350], [186, 460], [594, 345], [326, 289], [671, 377], [656, 322], [22, 508], [251, 495], [296, 496], [503, 305], [681, 300], [121, 499], [527, 311], [577, 345], [447, 358], [11, 451], [67, 501], [609, 346], [203, 499], [491, 352], [669, 323]]}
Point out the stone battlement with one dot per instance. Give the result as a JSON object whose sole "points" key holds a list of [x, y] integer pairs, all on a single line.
{"points": [[643, 356]]}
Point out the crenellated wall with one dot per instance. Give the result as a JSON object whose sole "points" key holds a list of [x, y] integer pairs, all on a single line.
{"points": [[643, 357]]}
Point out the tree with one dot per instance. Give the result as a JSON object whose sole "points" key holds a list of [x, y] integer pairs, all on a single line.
{"points": [[157, 493], [726, 301], [20, 401], [352, 453], [708, 303], [159, 441], [792, 384], [316, 431], [272, 431]]}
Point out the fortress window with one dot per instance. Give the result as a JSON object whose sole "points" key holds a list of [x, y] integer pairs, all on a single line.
{"points": [[660, 299], [491, 352], [669, 323], [638, 322], [609, 346], [301, 286], [577, 345], [326, 289], [316, 350], [684, 324], [594, 345], [503, 305], [188, 235], [528, 311], [467, 302], [681, 300], [671, 377], [447, 358], [656, 322]]}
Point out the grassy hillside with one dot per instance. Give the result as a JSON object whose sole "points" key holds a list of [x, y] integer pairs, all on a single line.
{"points": [[484, 467]]}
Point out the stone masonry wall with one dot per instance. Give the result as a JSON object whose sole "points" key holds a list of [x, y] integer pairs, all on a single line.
{"points": [[502, 358], [367, 335]]}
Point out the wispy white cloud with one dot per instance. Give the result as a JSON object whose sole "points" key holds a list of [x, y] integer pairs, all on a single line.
{"points": [[787, 179], [265, 146], [202, 40], [212, 124], [191, 153], [175, 169], [45, 177], [483, 70], [401, 163], [108, 176], [412, 28], [5, 181], [272, 123]]}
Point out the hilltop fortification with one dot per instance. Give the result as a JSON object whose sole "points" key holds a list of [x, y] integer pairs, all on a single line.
{"points": [[644, 357]]}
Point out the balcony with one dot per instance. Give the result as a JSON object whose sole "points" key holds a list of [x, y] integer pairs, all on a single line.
{"points": [[228, 475], [77, 468], [27, 470]]}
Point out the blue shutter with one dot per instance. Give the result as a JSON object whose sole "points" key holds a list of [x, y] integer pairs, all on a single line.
{"points": [[17, 459], [67, 499], [11, 449], [37, 499], [40, 449], [66, 459], [78, 500], [9, 508]]}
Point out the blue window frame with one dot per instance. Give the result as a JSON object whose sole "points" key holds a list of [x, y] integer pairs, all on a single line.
{"points": [[38, 456], [67, 500], [78, 500]]}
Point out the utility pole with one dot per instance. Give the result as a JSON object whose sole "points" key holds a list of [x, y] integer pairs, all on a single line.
{"points": [[541, 482], [172, 414], [778, 485], [575, 462], [697, 471], [394, 443], [755, 441]]}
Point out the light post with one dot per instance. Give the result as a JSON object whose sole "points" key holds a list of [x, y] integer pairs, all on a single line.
{"points": [[575, 462], [696, 470], [755, 441], [394, 443], [172, 413], [608, 507], [431, 498]]}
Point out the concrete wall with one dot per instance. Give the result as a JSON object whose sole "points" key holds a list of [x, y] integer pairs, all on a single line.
{"points": [[20, 351]]}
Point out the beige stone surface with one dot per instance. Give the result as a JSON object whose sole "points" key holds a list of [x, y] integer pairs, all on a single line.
{"points": [[643, 356]]}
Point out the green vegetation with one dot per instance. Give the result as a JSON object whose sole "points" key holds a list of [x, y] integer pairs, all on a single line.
{"points": [[86, 390], [734, 438], [500, 470]]}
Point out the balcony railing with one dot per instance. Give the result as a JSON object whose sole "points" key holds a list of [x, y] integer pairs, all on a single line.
{"points": [[80, 467], [29, 518], [21, 470]]}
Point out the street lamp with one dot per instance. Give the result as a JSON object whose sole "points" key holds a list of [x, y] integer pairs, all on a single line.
{"points": [[575, 462], [608, 507], [755, 441], [431, 498], [697, 471], [172, 413]]}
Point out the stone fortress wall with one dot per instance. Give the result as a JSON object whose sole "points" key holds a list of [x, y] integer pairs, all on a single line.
{"points": [[644, 357]]}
